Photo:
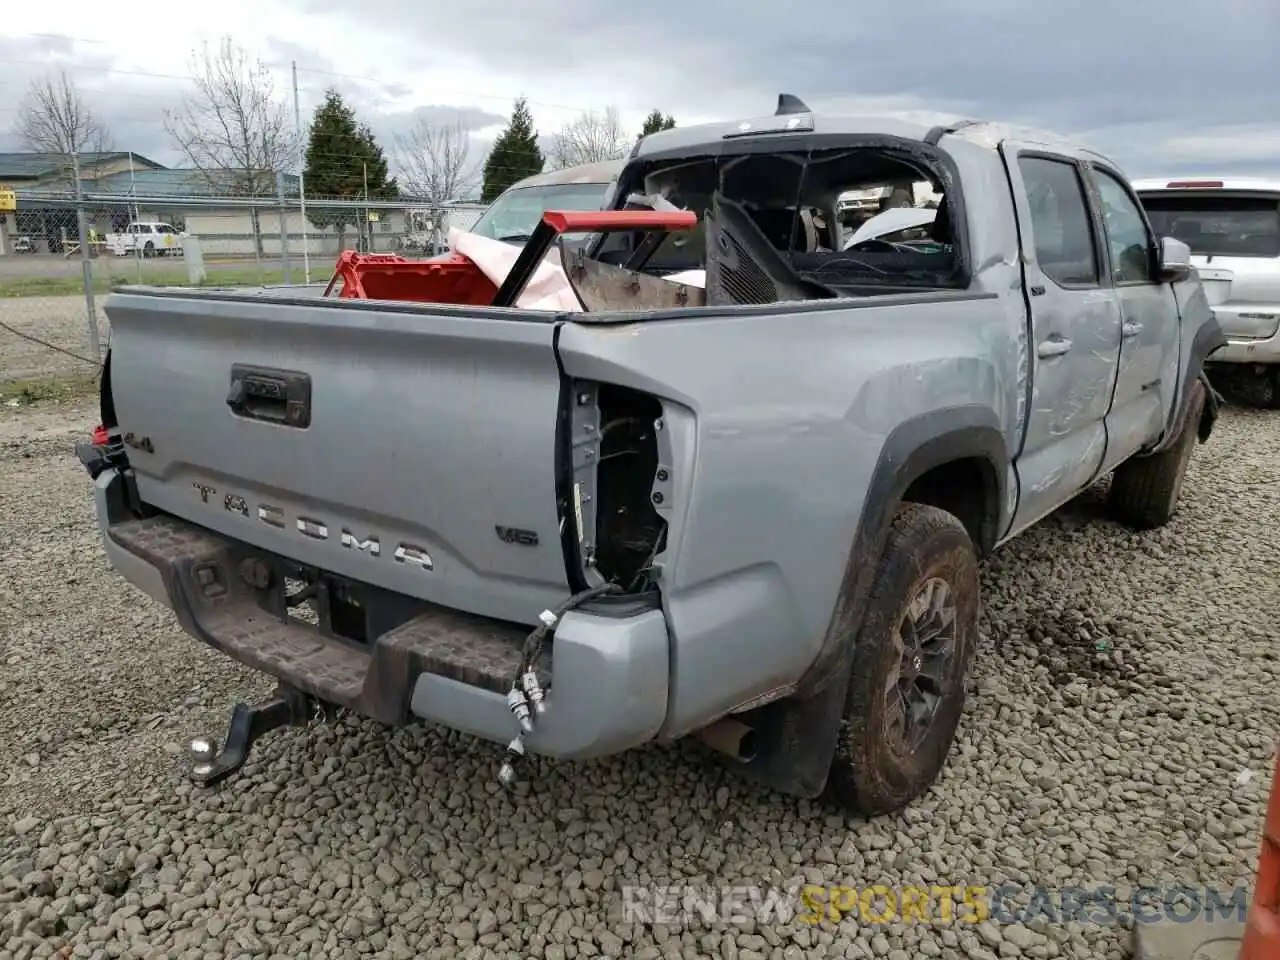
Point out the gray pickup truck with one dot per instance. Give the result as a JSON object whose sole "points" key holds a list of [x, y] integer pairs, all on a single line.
{"points": [[749, 508]]}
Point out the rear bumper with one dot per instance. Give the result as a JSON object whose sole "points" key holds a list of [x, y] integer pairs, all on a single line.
{"points": [[1238, 350], [1252, 332], [607, 676]]}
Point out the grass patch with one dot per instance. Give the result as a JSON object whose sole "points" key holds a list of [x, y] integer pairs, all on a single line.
{"points": [[49, 286], [161, 277], [25, 393]]}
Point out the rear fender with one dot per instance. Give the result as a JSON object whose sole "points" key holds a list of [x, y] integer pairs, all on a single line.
{"points": [[797, 737], [1201, 335]]}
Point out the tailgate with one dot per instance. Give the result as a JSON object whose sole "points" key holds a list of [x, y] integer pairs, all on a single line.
{"points": [[408, 447]]}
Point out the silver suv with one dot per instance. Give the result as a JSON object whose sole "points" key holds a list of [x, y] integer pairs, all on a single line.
{"points": [[1233, 228], [517, 210]]}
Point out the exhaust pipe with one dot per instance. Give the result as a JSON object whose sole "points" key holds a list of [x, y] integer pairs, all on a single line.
{"points": [[730, 737]]}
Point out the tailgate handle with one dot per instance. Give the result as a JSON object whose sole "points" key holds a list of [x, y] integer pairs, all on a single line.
{"points": [[271, 396]]}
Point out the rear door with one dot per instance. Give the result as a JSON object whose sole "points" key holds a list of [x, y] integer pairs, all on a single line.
{"points": [[1148, 378], [1233, 229], [1075, 331], [396, 444]]}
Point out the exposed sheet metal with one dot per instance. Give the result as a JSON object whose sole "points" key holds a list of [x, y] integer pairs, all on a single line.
{"points": [[602, 286]]}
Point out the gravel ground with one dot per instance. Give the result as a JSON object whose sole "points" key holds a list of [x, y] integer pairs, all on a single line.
{"points": [[60, 321], [1126, 690]]}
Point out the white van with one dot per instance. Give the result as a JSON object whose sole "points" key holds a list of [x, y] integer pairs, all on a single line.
{"points": [[152, 238], [1232, 225]]}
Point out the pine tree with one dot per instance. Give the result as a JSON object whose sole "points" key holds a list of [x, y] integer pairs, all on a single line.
{"points": [[515, 154], [340, 154], [655, 121]]}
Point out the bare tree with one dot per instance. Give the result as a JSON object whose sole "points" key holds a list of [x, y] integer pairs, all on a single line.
{"points": [[434, 162], [434, 167], [590, 138], [232, 128], [55, 119]]}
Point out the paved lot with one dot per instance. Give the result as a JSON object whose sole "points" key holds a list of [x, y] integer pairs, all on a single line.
{"points": [[1120, 733]]}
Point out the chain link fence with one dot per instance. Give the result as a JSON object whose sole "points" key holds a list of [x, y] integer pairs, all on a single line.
{"points": [[271, 231], [54, 269]]}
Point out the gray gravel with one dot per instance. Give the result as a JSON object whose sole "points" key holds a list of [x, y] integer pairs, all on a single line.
{"points": [[1124, 683], [60, 321]]}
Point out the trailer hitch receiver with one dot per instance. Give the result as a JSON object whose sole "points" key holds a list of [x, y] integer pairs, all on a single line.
{"points": [[287, 707]]}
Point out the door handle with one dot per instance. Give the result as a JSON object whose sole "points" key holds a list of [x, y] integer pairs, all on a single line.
{"points": [[1053, 347], [274, 396], [1130, 330]]}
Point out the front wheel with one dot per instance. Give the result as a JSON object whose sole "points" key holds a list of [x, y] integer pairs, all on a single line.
{"points": [[911, 656]]}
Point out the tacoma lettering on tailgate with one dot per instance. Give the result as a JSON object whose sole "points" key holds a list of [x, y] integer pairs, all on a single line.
{"points": [[314, 528]]}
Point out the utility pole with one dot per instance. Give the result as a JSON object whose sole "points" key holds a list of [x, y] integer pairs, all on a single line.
{"points": [[302, 166], [284, 229], [86, 268], [364, 227], [133, 190]]}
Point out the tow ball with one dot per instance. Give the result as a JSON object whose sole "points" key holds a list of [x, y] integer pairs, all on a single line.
{"points": [[287, 707]]}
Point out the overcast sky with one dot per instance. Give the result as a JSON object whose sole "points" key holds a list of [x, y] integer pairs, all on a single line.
{"points": [[1164, 86]]}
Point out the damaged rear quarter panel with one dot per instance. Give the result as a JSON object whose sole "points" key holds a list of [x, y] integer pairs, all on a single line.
{"points": [[786, 409]]}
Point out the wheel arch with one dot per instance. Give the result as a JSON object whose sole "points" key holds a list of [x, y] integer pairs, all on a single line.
{"points": [[927, 456], [936, 457]]}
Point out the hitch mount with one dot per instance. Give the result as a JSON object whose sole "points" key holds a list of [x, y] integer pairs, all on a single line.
{"points": [[286, 707]]}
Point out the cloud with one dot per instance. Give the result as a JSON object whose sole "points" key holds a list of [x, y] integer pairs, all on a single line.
{"points": [[1113, 69], [471, 119], [1161, 85], [130, 103]]}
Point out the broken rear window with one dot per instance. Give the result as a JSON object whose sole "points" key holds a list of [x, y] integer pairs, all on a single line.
{"points": [[799, 203]]}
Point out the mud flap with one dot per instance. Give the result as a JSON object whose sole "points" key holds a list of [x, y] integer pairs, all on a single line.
{"points": [[796, 738], [1212, 404]]}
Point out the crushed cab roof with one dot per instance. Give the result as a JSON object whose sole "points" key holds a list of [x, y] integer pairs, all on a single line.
{"points": [[982, 133]]}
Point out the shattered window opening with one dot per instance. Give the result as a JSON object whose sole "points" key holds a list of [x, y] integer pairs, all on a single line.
{"points": [[799, 201]]}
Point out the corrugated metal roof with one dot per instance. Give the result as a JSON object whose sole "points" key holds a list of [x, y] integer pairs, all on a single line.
{"points": [[33, 166], [176, 183]]}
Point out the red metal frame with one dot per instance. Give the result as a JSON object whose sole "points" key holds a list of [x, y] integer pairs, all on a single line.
{"points": [[591, 221], [453, 278], [387, 276]]}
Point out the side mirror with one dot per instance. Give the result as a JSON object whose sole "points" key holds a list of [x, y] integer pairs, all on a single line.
{"points": [[1175, 259]]}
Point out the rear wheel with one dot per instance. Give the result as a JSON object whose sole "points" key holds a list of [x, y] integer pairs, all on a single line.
{"points": [[1252, 385], [911, 655], [1145, 490], [1269, 387]]}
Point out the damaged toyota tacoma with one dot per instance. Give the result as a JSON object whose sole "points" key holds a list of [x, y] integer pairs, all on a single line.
{"points": [[738, 489]]}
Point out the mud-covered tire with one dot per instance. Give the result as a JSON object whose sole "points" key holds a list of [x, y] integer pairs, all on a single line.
{"points": [[1145, 490], [875, 770]]}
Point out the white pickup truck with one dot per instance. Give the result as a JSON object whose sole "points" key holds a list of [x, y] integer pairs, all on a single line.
{"points": [[154, 238]]}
